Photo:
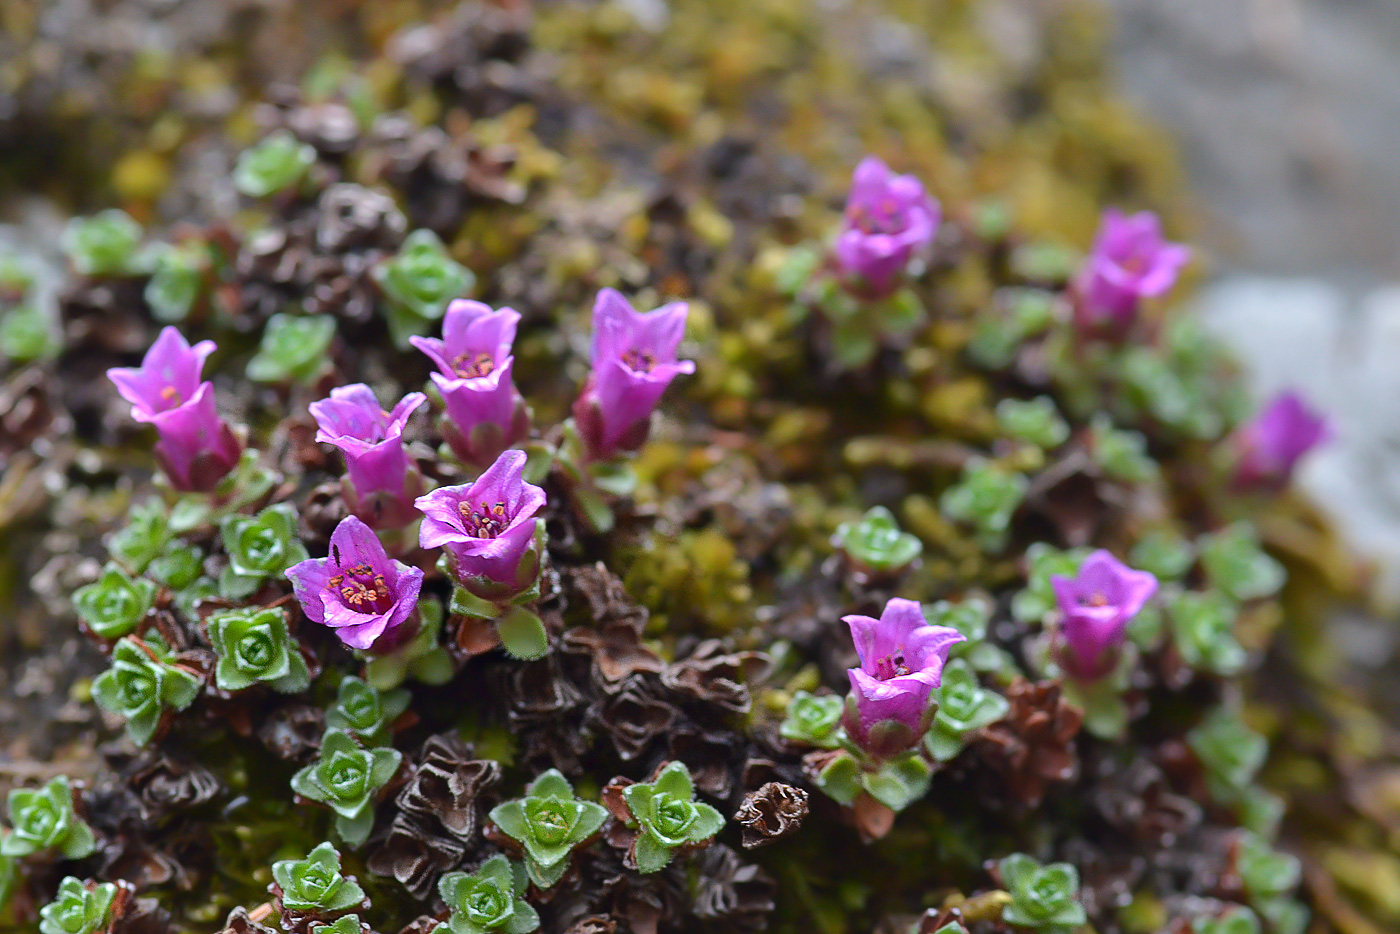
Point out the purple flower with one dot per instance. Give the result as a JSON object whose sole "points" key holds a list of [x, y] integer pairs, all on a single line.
{"points": [[634, 360], [1129, 261], [888, 218], [486, 527], [1271, 445], [485, 414], [196, 448], [382, 482], [1097, 607], [901, 662], [370, 601]]}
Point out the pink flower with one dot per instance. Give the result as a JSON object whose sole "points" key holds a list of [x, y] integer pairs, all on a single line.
{"points": [[196, 448], [487, 527], [1271, 446], [634, 360], [1130, 261], [485, 414], [1097, 605], [383, 483], [888, 219], [369, 600], [901, 663]]}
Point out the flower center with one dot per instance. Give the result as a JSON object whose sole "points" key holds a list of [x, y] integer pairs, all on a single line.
{"points": [[470, 366], [882, 219], [892, 665], [362, 590], [170, 396], [639, 361], [486, 522], [1097, 598]]}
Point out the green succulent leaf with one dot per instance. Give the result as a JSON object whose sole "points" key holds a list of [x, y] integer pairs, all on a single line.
{"points": [[259, 547], [43, 819], [115, 604], [27, 333], [1035, 421], [79, 908], [1231, 752], [347, 778], [364, 711], [276, 164], [1237, 919], [1267, 873], [985, 498], [549, 822], [345, 924], [105, 244], [813, 719], [1043, 898], [1235, 563], [177, 280], [1121, 454], [898, 782], [293, 349], [419, 282], [1165, 554], [143, 538], [254, 645], [876, 543], [963, 706], [1203, 626], [142, 684], [316, 884], [488, 901], [666, 813]]}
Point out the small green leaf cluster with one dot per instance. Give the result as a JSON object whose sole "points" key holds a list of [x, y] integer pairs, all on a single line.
{"points": [[259, 548], [1043, 898], [876, 545], [1237, 919], [177, 280], [142, 684], [1230, 752], [419, 282], [43, 819], [667, 817], [896, 783], [549, 823], [347, 778], [316, 884], [79, 908], [293, 349], [365, 712], [1034, 421], [274, 165], [106, 244], [1019, 315], [1235, 563], [814, 719], [253, 646], [986, 498], [1121, 454], [963, 706], [971, 617], [115, 604], [488, 901], [1269, 878]]}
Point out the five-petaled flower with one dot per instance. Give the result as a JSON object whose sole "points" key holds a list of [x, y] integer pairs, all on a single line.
{"points": [[485, 415], [888, 219], [487, 528], [369, 600], [634, 360], [1097, 606], [1270, 446], [1129, 261], [382, 482], [196, 448], [901, 662]]}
